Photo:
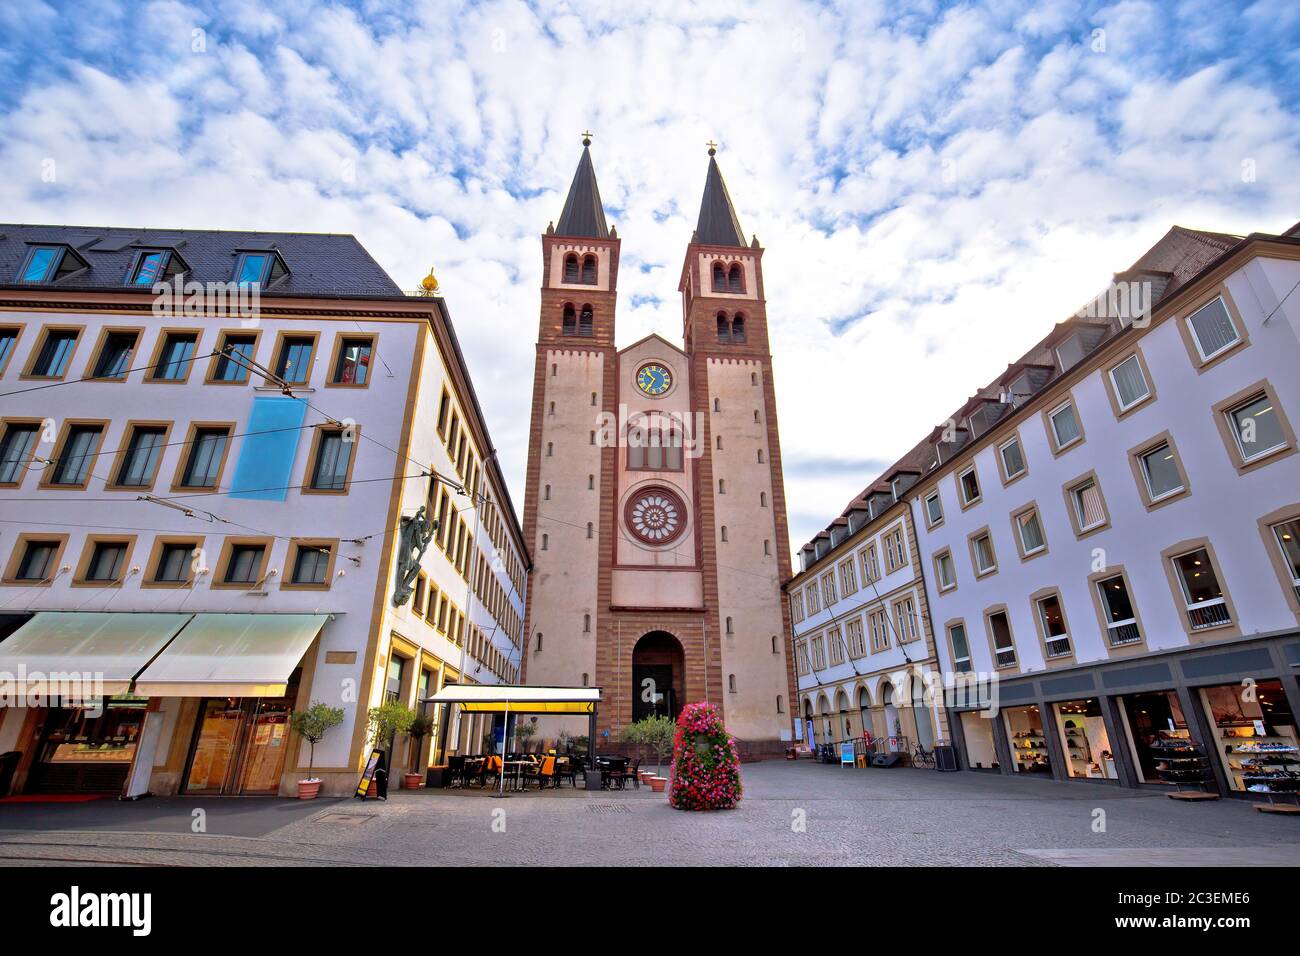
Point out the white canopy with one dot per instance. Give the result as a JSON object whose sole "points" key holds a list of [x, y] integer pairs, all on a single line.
{"points": [[518, 699]]}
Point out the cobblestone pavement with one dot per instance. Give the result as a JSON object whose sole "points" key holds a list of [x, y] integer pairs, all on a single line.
{"points": [[792, 814]]}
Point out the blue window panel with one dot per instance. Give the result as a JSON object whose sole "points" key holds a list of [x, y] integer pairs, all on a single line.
{"points": [[252, 267], [41, 264], [150, 268], [270, 445]]}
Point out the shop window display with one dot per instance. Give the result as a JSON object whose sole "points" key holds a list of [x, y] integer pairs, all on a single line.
{"points": [[1028, 742], [88, 749], [1084, 740], [1255, 736], [981, 752], [1153, 719]]}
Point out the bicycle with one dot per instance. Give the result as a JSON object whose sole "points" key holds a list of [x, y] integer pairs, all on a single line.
{"points": [[923, 758]]}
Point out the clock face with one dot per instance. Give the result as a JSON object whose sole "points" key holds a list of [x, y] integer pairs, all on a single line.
{"points": [[656, 516], [654, 379]]}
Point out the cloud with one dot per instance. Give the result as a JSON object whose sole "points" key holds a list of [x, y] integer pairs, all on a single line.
{"points": [[935, 185]]}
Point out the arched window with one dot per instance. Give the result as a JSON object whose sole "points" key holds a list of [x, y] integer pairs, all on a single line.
{"points": [[780, 709], [546, 494], [584, 679], [593, 399], [724, 532], [570, 320], [760, 456], [753, 378], [717, 404], [735, 280], [591, 530], [539, 642], [571, 267], [724, 328], [731, 683], [730, 630], [586, 621], [719, 441], [591, 482], [719, 278], [722, 486], [762, 499], [738, 329], [586, 321], [589, 270], [546, 542], [653, 449], [550, 449], [775, 650]]}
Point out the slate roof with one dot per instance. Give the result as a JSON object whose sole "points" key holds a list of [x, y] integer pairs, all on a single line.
{"points": [[718, 225], [583, 215], [323, 264]]}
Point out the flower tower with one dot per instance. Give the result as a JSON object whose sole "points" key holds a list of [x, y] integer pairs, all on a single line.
{"points": [[706, 767]]}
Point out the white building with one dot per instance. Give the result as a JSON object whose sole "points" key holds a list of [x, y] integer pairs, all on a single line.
{"points": [[219, 548], [1111, 528]]}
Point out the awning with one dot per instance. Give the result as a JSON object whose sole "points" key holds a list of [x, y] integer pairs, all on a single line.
{"points": [[496, 698], [231, 655], [65, 652]]}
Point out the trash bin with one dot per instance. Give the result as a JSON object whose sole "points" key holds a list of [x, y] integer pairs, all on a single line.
{"points": [[8, 764], [945, 757]]}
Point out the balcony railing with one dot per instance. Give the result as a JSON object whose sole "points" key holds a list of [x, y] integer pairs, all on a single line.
{"points": [[1209, 613], [1058, 646], [1124, 632], [1006, 658]]}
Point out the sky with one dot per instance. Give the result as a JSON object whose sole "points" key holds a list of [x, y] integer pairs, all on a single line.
{"points": [[935, 184]]}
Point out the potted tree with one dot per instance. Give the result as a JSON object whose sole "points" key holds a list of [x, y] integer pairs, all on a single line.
{"points": [[387, 721], [311, 725], [634, 734], [658, 734], [420, 727], [524, 733]]}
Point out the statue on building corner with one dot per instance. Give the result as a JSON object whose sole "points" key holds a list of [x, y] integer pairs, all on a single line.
{"points": [[414, 536]]}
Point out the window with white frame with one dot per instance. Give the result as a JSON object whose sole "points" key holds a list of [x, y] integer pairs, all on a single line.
{"points": [[1056, 641], [895, 549], [1160, 472], [1212, 329], [796, 606], [1013, 458], [857, 643], [870, 570], [982, 548], [1117, 608], [814, 598], [801, 656], [1030, 530], [944, 570], [848, 578], [1130, 383], [878, 622], [1004, 648], [969, 484], [1065, 425], [1085, 497], [828, 588], [905, 621], [819, 653], [836, 639], [1206, 606], [933, 508], [1287, 535], [1255, 427], [960, 648]]}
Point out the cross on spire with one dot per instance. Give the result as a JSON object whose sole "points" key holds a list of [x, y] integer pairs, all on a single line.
{"points": [[713, 147], [586, 138]]}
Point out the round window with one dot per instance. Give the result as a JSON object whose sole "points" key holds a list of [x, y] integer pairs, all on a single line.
{"points": [[656, 515]]}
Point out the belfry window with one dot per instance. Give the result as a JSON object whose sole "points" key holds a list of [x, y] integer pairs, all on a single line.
{"points": [[589, 270], [586, 321], [571, 267], [570, 321], [724, 327], [719, 278], [738, 329], [735, 281]]}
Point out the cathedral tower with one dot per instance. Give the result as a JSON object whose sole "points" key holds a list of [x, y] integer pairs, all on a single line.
{"points": [[655, 509]]}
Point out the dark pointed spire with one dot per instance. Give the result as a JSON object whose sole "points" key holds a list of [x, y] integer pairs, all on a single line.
{"points": [[718, 225], [583, 214]]}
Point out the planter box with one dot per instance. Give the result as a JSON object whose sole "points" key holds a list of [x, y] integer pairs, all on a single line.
{"points": [[436, 777]]}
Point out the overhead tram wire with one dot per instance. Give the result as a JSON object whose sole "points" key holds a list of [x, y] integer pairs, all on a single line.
{"points": [[102, 378]]}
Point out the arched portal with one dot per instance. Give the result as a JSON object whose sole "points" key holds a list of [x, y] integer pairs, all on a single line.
{"points": [[658, 676], [846, 722]]}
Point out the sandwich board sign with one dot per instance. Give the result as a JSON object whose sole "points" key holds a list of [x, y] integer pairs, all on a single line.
{"points": [[846, 754], [374, 766]]}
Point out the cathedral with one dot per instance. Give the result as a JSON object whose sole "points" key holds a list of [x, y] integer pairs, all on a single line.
{"points": [[655, 510]]}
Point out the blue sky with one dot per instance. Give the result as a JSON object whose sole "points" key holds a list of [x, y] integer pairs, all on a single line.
{"points": [[936, 184]]}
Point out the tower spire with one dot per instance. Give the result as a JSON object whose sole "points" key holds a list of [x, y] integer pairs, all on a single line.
{"points": [[718, 225], [583, 214]]}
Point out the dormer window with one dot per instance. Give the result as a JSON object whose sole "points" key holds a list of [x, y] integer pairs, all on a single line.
{"points": [[155, 265], [1070, 352], [50, 264], [262, 267]]}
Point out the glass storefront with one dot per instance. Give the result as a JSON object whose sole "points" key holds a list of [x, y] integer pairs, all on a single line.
{"points": [[1028, 742], [1255, 736], [239, 746], [981, 753], [1153, 718], [88, 750], [1084, 740]]}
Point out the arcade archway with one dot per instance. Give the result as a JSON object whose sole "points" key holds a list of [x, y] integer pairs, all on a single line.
{"points": [[658, 676]]}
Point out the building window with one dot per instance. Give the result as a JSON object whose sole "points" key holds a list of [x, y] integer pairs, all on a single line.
{"points": [[1056, 640], [569, 323], [933, 509], [352, 365], [42, 264], [1117, 611], [586, 321], [905, 620], [1030, 531], [1087, 507], [591, 530], [16, 447], [38, 561], [724, 534], [244, 564], [73, 462], [232, 365], [985, 559], [206, 455], [878, 622], [311, 568], [780, 707], [8, 339], [730, 627], [738, 329], [106, 561], [735, 278], [546, 542], [1161, 473], [571, 268], [175, 562], [969, 484], [333, 460], [1213, 330], [1065, 426], [172, 363], [960, 648], [260, 268], [828, 589], [1287, 536], [719, 277], [870, 568], [139, 463], [293, 364], [1256, 427], [944, 570], [588, 270], [1013, 459], [1204, 599], [724, 327], [54, 354], [848, 578], [1004, 647], [155, 265], [114, 359], [1130, 383]]}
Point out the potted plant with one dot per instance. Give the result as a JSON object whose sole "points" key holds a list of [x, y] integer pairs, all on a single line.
{"points": [[634, 734], [421, 726], [524, 733], [311, 725], [387, 721]]}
